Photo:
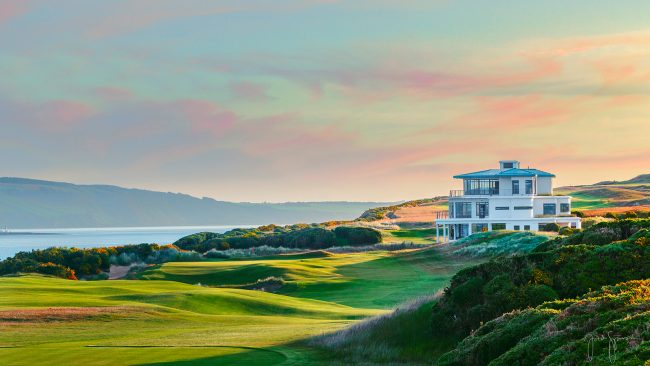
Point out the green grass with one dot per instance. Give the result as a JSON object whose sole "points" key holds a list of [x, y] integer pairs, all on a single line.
{"points": [[415, 236], [169, 320]]}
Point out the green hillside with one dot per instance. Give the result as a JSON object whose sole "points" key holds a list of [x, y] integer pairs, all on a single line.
{"points": [[174, 321], [482, 319]]}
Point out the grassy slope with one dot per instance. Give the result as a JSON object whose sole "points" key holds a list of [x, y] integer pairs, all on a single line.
{"points": [[415, 236], [208, 325]]}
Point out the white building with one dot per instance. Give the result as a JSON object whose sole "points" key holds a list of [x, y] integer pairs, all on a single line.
{"points": [[508, 198]]}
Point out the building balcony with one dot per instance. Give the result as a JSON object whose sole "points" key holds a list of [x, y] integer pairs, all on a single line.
{"points": [[491, 192]]}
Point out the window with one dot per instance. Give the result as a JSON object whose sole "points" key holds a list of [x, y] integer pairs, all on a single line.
{"points": [[529, 186], [481, 186], [549, 209], [508, 165], [565, 207], [479, 228], [527, 227], [517, 227], [482, 209], [523, 207], [502, 208], [515, 187], [498, 226], [463, 210]]}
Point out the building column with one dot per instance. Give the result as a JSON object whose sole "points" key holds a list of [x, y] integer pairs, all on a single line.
{"points": [[437, 233], [469, 229]]}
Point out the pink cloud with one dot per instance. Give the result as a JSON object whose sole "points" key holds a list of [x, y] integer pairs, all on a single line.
{"points": [[111, 92], [12, 8], [249, 91]]}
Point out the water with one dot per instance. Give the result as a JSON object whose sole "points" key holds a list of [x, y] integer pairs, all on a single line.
{"points": [[24, 240]]}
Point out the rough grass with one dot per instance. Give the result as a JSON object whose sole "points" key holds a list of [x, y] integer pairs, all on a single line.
{"points": [[497, 243]]}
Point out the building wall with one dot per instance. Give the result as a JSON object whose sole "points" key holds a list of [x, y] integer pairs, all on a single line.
{"points": [[536, 202], [544, 185]]}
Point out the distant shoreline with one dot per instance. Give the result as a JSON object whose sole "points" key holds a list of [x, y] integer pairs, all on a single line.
{"points": [[17, 233]]}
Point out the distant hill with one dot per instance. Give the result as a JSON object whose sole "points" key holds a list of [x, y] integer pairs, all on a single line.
{"points": [[29, 203], [634, 192]]}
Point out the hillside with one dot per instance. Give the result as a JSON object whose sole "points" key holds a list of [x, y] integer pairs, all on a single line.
{"points": [[631, 193], [172, 317], [553, 306], [27, 203]]}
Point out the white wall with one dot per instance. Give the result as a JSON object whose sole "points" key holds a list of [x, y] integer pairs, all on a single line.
{"points": [[544, 185]]}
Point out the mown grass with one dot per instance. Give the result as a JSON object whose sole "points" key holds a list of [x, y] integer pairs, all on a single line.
{"points": [[415, 236], [169, 320]]}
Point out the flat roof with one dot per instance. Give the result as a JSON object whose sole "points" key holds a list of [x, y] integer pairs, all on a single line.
{"points": [[514, 172]]}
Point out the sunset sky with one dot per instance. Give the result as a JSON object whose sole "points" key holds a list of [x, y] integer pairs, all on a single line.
{"points": [[273, 100]]}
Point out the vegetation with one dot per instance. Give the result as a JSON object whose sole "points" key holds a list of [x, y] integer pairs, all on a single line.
{"points": [[602, 327], [497, 243], [294, 236], [71, 263], [174, 323], [497, 303]]}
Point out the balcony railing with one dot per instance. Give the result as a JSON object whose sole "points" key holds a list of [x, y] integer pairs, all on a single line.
{"points": [[441, 215], [491, 192]]}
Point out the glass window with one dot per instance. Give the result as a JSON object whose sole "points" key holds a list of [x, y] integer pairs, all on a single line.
{"points": [[482, 209], [479, 228], [549, 209], [515, 187], [529, 186], [463, 210], [527, 227], [565, 207], [517, 227], [481, 186], [523, 207], [498, 226], [507, 165], [502, 208]]}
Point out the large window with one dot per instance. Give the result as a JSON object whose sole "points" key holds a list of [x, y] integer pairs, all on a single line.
{"points": [[529, 186], [565, 207], [502, 208], [549, 209], [482, 209], [481, 186], [498, 227], [515, 187], [462, 210]]}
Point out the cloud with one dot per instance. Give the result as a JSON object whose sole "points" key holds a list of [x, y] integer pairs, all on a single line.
{"points": [[248, 91], [10, 9]]}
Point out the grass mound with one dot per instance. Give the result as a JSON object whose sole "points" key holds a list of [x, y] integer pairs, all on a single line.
{"points": [[498, 243]]}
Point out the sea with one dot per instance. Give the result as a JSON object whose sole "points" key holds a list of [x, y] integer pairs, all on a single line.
{"points": [[14, 241]]}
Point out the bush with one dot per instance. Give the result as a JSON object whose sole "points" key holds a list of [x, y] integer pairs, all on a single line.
{"points": [[357, 236]]}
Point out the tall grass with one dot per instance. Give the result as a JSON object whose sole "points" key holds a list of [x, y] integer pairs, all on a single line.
{"points": [[400, 336], [498, 243]]}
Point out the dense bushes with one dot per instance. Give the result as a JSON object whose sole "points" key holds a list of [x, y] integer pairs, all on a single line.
{"points": [[568, 267], [90, 263], [295, 236], [609, 325]]}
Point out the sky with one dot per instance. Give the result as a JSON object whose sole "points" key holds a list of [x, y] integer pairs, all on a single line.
{"points": [[314, 100]]}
